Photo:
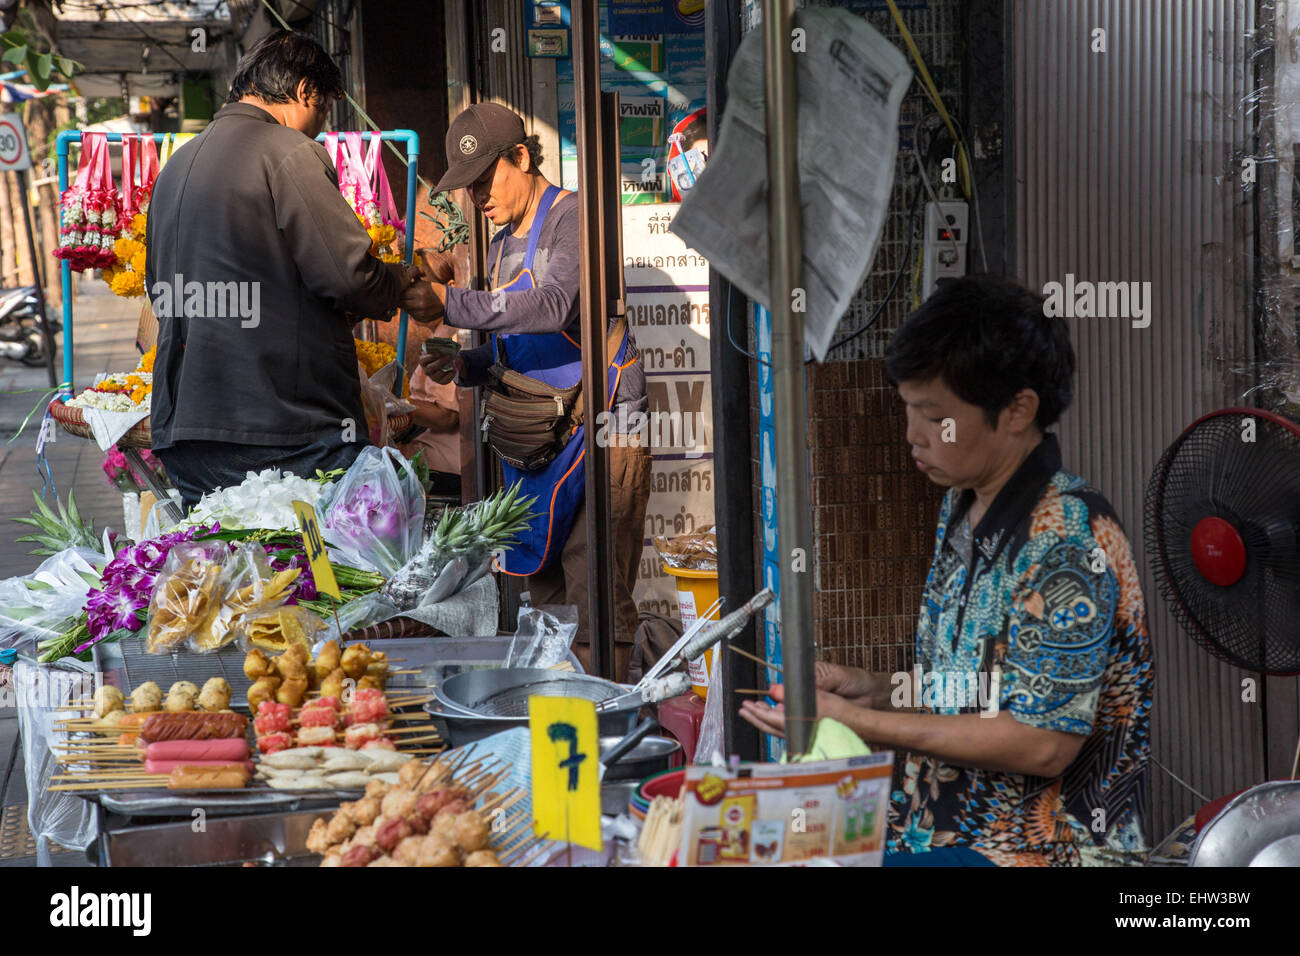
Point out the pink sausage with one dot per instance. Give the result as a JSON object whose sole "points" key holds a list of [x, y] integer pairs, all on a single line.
{"points": [[225, 751], [165, 766]]}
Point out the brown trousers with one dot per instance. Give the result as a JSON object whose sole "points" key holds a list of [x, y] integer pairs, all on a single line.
{"points": [[565, 581]]}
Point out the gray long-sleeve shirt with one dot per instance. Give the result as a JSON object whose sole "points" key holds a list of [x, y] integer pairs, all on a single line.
{"points": [[260, 350], [551, 306]]}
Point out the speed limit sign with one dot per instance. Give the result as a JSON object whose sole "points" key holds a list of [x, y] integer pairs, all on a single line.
{"points": [[13, 143]]}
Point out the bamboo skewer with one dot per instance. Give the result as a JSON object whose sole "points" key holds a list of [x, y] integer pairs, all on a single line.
{"points": [[755, 658], [750, 690]]}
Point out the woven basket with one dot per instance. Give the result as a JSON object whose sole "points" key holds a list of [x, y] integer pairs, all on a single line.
{"points": [[74, 423], [386, 630]]}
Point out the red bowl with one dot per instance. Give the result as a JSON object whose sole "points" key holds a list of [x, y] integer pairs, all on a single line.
{"points": [[665, 784]]}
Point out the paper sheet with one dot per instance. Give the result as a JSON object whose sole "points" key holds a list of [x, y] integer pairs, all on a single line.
{"points": [[851, 84], [108, 427]]}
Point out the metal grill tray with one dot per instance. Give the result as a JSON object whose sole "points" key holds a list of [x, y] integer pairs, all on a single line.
{"points": [[132, 665], [127, 665]]}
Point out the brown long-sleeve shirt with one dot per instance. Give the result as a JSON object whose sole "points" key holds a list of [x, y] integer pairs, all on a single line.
{"points": [[253, 259]]}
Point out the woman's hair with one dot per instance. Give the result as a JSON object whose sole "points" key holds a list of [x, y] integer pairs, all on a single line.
{"points": [[534, 147], [988, 338], [272, 70]]}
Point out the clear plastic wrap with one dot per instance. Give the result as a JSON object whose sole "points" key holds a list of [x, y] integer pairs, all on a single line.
{"points": [[380, 401], [543, 636], [248, 590], [697, 551], [375, 520], [188, 590], [36, 607], [41, 690], [711, 746]]}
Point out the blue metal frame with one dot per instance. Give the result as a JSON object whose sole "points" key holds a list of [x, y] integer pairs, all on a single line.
{"points": [[407, 136]]}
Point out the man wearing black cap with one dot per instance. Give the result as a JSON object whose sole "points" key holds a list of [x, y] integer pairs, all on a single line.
{"points": [[532, 308]]}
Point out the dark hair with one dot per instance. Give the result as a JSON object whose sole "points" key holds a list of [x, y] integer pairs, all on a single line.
{"points": [[696, 130], [272, 70], [988, 338], [534, 146]]}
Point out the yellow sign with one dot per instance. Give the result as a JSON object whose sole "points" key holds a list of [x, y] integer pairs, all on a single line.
{"points": [[566, 774], [314, 545]]}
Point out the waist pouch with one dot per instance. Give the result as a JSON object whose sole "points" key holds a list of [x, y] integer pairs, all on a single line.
{"points": [[528, 422]]}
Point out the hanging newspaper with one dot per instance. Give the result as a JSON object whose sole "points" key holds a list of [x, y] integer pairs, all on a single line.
{"points": [[851, 84]]}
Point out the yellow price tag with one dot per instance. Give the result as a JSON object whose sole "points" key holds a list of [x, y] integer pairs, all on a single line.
{"points": [[566, 775], [314, 545]]}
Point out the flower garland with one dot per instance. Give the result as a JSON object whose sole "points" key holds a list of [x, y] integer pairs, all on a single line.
{"points": [[126, 276], [374, 355], [121, 391]]}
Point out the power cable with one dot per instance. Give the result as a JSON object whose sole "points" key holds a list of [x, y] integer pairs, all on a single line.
{"points": [[162, 46]]}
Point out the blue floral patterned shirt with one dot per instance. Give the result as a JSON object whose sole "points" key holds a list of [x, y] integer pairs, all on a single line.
{"points": [[1038, 610]]}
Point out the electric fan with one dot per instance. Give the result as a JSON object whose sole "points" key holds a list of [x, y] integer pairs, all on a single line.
{"points": [[1223, 532]]}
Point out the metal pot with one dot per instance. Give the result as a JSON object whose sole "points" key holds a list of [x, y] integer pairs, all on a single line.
{"points": [[649, 756], [476, 704], [1260, 827]]}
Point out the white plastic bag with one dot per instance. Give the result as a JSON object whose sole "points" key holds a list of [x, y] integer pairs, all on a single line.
{"points": [[375, 520], [709, 749], [36, 607], [41, 690]]}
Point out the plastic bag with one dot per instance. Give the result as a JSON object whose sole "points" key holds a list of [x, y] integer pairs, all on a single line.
{"points": [[380, 401], [41, 692], [277, 628], [248, 588], [543, 636], [711, 745], [188, 590], [376, 519], [36, 607]]}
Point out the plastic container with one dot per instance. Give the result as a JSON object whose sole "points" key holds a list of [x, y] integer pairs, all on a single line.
{"points": [[696, 593], [7, 658]]}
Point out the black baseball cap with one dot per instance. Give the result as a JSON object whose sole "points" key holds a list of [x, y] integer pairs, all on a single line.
{"points": [[475, 139]]}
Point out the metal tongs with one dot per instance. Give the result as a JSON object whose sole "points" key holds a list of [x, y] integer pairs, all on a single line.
{"points": [[703, 634]]}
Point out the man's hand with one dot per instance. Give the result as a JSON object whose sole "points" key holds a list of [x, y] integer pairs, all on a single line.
{"points": [[438, 266], [422, 302], [442, 368]]}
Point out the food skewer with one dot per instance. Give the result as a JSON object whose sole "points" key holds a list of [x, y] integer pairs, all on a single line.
{"points": [[755, 658]]}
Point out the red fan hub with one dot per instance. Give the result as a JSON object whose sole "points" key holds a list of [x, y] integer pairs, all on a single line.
{"points": [[1218, 551]]}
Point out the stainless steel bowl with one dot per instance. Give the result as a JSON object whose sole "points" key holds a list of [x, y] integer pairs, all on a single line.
{"points": [[476, 704], [1260, 827]]}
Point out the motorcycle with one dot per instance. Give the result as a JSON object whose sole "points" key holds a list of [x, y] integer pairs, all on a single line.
{"points": [[21, 338]]}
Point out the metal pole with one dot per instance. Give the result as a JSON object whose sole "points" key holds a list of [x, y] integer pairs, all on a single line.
{"points": [[732, 433], [785, 246], [40, 283], [65, 269], [596, 306]]}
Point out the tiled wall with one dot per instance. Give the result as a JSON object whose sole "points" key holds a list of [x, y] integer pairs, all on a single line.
{"points": [[873, 511], [873, 517]]}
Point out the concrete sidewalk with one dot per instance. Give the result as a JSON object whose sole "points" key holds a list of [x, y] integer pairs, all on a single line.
{"points": [[104, 341], [104, 327]]}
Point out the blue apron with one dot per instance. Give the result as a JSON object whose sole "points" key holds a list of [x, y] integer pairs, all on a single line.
{"points": [[553, 358]]}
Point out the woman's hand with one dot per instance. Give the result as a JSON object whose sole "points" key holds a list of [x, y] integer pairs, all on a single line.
{"points": [[771, 719]]}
